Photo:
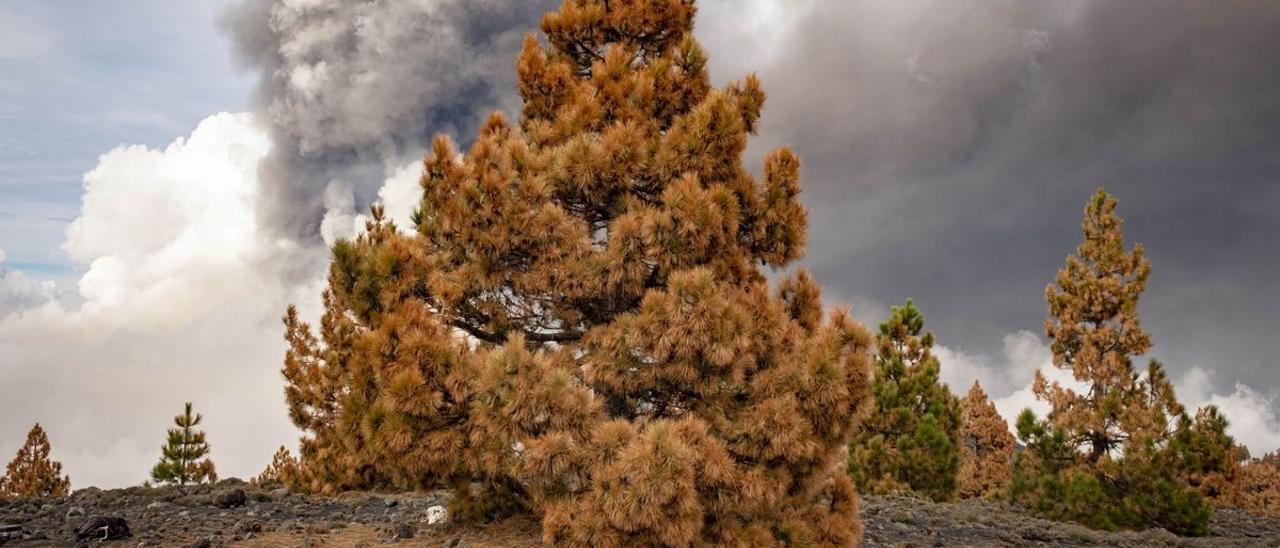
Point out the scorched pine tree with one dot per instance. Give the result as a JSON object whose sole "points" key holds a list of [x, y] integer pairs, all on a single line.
{"points": [[986, 446], [910, 441], [1258, 486], [1107, 454], [31, 473], [281, 472], [579, 323]]}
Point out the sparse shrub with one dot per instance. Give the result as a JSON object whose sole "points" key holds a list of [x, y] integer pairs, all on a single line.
{"points": [[580, 324], [911, 439], [282, 471], [986, 447], [1119, 453], [183, 458], [31, 473]]}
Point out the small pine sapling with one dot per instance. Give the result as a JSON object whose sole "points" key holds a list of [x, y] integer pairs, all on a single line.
{"points": [[184, 456], [32, 473]]}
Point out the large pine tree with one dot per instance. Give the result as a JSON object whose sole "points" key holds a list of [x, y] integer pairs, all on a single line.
{"points": [[183, 458], [580, 323], [987, 447], [1113, 454], [31, 473]]}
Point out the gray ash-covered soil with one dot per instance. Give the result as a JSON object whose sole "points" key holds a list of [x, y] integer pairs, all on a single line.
{"points": [[229, 513], [236, 514], [907, 521]]}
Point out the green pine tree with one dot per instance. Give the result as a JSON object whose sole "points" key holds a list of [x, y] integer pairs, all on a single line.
{"points": [[183, 457], [1205, 456], [911, 439]]}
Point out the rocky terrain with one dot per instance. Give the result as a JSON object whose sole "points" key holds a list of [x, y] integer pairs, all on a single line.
{"points": [[905, 521], [235, 513]]}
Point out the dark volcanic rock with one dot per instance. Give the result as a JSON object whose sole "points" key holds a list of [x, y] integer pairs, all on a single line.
{"points": [[232, 498], [903, 520], [10, 532], [401, 531]]}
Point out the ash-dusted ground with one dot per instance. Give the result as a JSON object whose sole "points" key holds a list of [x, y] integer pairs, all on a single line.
{"points": [[235, 514]]}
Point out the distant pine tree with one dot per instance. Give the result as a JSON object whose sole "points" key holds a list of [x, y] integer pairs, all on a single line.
{"points": [[1120, 453], [181, 456], [987, 447], [1205, 456], [911, 439], [31, 473], [281, 472], [1258, 485]]}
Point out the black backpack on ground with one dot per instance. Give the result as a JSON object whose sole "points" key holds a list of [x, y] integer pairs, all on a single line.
{"points": [[103, 528]]}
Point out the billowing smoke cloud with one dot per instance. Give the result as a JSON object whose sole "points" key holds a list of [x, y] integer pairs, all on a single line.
{"points": [[352, 90], [19, 292], [192, 251], [949, 147], [178, 303]]}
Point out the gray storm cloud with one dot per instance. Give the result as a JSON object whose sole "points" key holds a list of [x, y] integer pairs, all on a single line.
{"points": [[352, 90], [948, 145], [949, 148]]}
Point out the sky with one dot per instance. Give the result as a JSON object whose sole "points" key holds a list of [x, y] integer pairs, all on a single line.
{"points": [[171, 173]]}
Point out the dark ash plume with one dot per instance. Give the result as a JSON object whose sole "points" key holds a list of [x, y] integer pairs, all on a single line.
{"points": [[354, 89], [949, 147]]}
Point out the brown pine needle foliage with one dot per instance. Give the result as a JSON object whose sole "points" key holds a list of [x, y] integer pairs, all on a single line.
{"points": [[987, 447], [281, 472], [1258, 486], [31, 473], [579, 324]]}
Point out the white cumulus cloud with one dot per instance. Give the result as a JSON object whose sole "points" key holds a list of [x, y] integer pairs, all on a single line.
{"points": [[170, 234], [180, 302], [19, 293], [1254, 421]]}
